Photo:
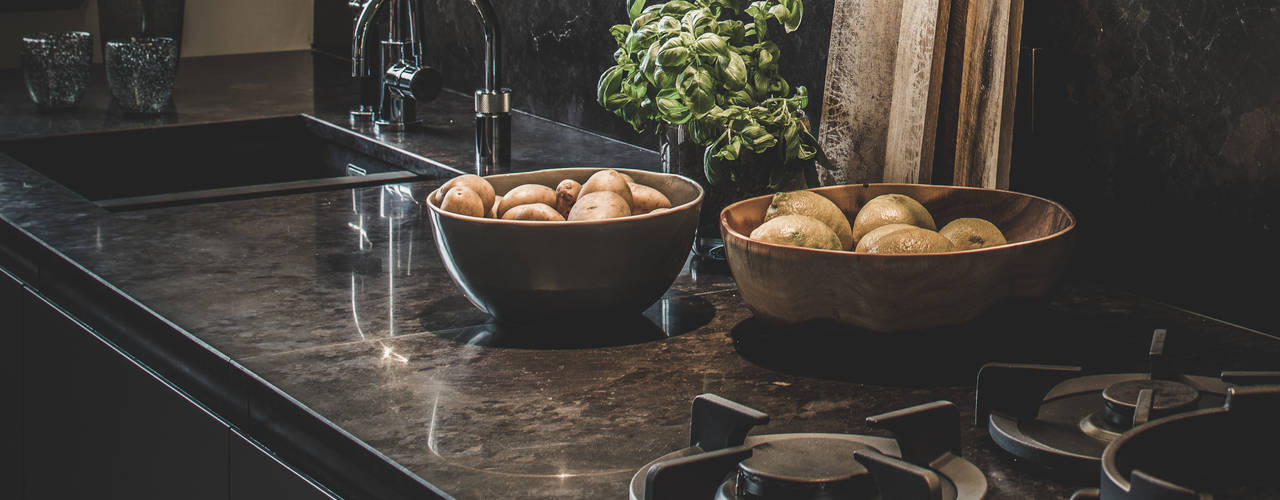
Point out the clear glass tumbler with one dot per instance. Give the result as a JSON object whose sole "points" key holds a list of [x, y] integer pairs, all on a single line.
{"points": [[56, 67], [140, 72]]}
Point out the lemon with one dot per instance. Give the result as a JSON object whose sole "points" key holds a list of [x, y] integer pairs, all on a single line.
{"points": [[814, 205], [971, 232], [797, 231], [903, 238], [891, 209]]}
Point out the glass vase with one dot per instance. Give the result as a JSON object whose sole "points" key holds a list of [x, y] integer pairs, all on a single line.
{"points": [[681, 155]]}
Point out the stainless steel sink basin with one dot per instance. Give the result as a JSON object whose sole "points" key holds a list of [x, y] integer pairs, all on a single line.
{"points": [[145, 168]]}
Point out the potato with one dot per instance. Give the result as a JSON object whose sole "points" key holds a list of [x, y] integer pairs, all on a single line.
{"points": [[493, 209], [627, 177], [566, 195], [474, 182], [533, 211], [599, 205], [645, 199], [526, 194], [608, 180], [463, 201]]}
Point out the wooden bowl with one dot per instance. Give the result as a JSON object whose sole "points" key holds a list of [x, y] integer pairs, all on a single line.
{"points": [[895, 293], [526, 271]]}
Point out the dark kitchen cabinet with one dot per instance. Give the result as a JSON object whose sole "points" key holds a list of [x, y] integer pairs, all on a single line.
{"points": [[11, 376], [98, 425], [257, 475]]}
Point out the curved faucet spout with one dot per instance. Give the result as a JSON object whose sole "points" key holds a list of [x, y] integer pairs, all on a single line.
{"points": [[359, 66], [492, 44]]}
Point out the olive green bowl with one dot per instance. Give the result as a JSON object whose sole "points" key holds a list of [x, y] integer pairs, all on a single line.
{"points": [[526, 271]]}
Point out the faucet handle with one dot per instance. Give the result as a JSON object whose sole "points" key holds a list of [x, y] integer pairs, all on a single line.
{"points": [[421, 83]]}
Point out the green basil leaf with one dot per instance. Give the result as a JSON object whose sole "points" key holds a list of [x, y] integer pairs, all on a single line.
{"points": [[701, 101], [649, 64], [616, 101], [634, 8], [703, 81], [732, 5], [644, 20], [673, 54], [740, 98], [796, 10], [610, 84], [734, 70], [677, 7], [759, 12], [791, 139], [668, 25], [712, 168], [781, 13], [710, 44], [672, 108], [620, 32], [758, 139]]}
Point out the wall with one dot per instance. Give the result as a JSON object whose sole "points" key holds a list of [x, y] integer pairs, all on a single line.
{"points": [[211, 27]]}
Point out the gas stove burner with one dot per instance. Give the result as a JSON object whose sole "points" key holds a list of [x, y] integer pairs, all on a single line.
{"points": [[1052, 416], [1163, 398], [921, 462], [804, 466], [1228, 451]]}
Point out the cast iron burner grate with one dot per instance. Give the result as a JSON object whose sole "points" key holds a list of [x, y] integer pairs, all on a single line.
{"points": [[921, 462], [1052, 416], [1226, 452]]}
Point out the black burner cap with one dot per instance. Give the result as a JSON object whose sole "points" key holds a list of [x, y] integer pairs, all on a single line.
{"points": [[810, 468], [1168, 398]]}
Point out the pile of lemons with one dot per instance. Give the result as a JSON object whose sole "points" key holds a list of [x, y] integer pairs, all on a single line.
{"points": [[887, 224]]}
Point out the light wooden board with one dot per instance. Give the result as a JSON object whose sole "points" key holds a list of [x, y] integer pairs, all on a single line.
{"points": [[879, 111], [988, 92], [917, 83]]}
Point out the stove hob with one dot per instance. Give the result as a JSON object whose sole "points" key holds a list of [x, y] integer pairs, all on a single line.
{"points": [[921, 462], [1228, 451], [1052, 416]]}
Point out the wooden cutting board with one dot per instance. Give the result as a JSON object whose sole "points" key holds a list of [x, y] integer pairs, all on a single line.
{"points": [[992, 37], [884, 75]]}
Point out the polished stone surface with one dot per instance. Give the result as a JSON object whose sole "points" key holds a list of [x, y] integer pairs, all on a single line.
{"points": [[339, 299]]}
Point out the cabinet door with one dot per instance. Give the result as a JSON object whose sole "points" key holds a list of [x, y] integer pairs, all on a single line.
{"points": [[256, 474], [98, 425], [11, 384]]}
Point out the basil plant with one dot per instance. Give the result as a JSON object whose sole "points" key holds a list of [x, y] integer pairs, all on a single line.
{"points": [[679, 63]]}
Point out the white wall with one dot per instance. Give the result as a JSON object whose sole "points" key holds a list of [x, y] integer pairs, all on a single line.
{"points": [[210, 27]]}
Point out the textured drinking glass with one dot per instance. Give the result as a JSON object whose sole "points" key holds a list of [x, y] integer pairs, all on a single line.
{"points": [[56, 67], [140, 72]]}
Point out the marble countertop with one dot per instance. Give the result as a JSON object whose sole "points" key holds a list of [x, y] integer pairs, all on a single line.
{"points": [[339, 299]]}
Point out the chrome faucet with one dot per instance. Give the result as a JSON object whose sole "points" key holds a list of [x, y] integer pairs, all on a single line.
{"points": [[493, 102], [405, 81]]}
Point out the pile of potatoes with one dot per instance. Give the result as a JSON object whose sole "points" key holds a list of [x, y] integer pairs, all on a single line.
{"points": [[607, 194]]}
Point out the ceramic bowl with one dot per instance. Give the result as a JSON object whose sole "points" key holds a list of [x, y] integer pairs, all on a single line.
{"points": [[896, 293], [525, 271]]}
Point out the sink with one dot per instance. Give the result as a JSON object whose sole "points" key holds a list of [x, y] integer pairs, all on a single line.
{"points": [[145, 168]]}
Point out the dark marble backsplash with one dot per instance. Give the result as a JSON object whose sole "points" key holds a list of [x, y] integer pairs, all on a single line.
{"points": [[1156, 121], [555, 51]]}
